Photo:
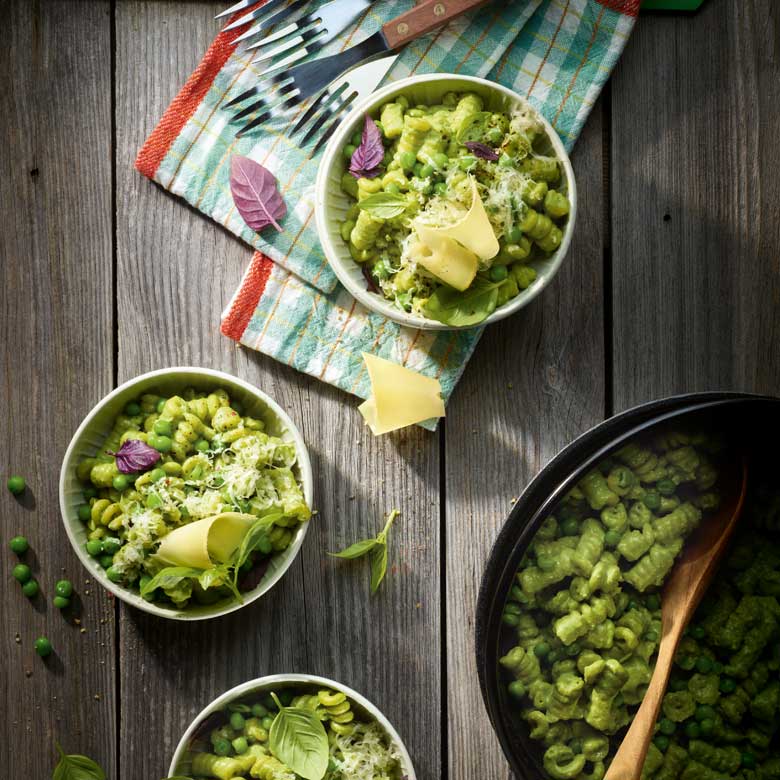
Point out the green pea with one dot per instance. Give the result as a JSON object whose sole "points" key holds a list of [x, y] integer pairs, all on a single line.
{"points": [[667, 726], [612, 538], [570, 526], [706, 727], [666, 487], [651, 635], [162, 427], [408, 160], [661, 742], [517, 689], [64, 588], [162, 443], [632, 604], [357, 138], [498, 273], [111, 545], [573, 649], [728, 685], [201, 445], [576, 746], [222, 747], [554, 655], [143, 581], [748, 760], [19, 545], [22, 572], [510, 619], [692, 730], [61, 602], [84, 512], [514, 236], [264, 545], [545, 562], [157, 474], [440, 188], [160, 405], [133, 409], [153, 501], [505, 161], [240, 745], [678, 684], [440, 160], [703, 664], [467, 162], [717, 667], [270, 704], [106, 561], [286, 697], [704, 712], [88, 493], [426, 171], [349, 150], [30, 589], [237, 721], [16, 485], [653, 602], [258, 711], [120, 483], [114, 574], [541, 650], [94, 547], [42, 646], [651, 500], [393, 188], [494, 136], [267, 722], [686, 662], [697, 632]]}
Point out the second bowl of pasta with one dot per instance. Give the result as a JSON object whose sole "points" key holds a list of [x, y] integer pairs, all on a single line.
{"points": [[445, 202]]}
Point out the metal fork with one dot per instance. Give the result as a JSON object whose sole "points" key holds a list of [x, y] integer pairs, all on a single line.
{"points": [[294, 85]]}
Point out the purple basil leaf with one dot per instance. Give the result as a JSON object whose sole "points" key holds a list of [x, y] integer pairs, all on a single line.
{"points": [[481, 150], [370, 283], [256, 194], [369, 155], [135, 455]]}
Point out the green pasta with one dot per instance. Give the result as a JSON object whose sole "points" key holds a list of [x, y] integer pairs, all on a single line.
{"points": [[206, 457], [583, 618], [435, 158], [238, 745]]}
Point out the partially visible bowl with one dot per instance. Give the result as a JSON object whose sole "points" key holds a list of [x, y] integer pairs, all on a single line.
{"points": [[277, 683], [331, 203], [747, 418], [92, 433]]}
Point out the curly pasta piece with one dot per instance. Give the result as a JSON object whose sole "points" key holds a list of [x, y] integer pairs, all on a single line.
{"points": [[574, 625], [392, 118], [726, 760], [561, 763], [678, 523], [645, 464], [652, 568], [653, 761], [566, 693], [366, 231], [597, 491], [266, 767], [607, 687], [339, 711], [678, 706], [589, 547], [220, 767], [634, 544]]}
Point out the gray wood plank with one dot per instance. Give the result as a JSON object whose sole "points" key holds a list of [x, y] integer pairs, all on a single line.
{"points": [[536, 382], [696, 235], [176, 270], [56, 361]]}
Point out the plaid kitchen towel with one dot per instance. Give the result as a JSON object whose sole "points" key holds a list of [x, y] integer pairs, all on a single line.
{"points": [[558, 53]]}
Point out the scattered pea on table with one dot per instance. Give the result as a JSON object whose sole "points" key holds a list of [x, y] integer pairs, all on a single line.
{"points": [[16, 485], [19, 545], [22, 573], [64, 588], [30, 589], [43, 646]]}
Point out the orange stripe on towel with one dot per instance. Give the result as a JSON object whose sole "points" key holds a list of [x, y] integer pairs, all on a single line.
{"points": [[247, 297]]}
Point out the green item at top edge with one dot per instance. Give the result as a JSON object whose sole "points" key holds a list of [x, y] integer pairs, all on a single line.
{"points": [[672, 5]]}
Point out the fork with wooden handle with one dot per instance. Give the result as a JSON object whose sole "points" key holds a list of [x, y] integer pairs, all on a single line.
{"points": [[681, 595]]}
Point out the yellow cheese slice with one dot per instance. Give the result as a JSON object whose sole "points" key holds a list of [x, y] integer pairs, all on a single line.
{"points": [[474, 231], [399, 396], [205, 542], [444, 257]]}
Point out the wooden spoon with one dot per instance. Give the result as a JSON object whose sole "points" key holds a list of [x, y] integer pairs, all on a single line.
{"points": [[681, 595]]}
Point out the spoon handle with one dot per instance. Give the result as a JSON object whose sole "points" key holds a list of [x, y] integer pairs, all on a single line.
{"points": [[628, 761]]}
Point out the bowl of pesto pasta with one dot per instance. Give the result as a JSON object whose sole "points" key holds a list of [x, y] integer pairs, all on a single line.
{"points": [[289, 726], [186, 492], [445, 202], [568, 620]]}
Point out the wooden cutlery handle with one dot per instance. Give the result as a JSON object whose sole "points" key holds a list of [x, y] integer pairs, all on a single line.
{"points": [[425, 17]]}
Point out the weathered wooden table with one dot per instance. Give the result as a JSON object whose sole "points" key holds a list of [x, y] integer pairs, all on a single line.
{"points": [[672, 284]]}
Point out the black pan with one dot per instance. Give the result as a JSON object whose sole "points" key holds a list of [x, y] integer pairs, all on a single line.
{"points": [[734, 414]]}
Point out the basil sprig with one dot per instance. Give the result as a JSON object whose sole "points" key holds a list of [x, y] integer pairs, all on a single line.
{"points": [[470, 307], [376, 549], [75, 767], [297, 738], [384, 205], [252, 537]]}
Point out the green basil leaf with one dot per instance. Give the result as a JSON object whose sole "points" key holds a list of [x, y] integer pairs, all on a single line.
{"points": [[76, 767], [252, 537], [298, 739], [384, 205], [378, 566], [470, 307], [213, 577], [357, 550], [169, 577], [473, 129]]}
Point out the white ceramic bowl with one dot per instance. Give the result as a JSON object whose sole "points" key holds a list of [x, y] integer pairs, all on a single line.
{"points": [[277, 682], [92, 433], [331, 203]]}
